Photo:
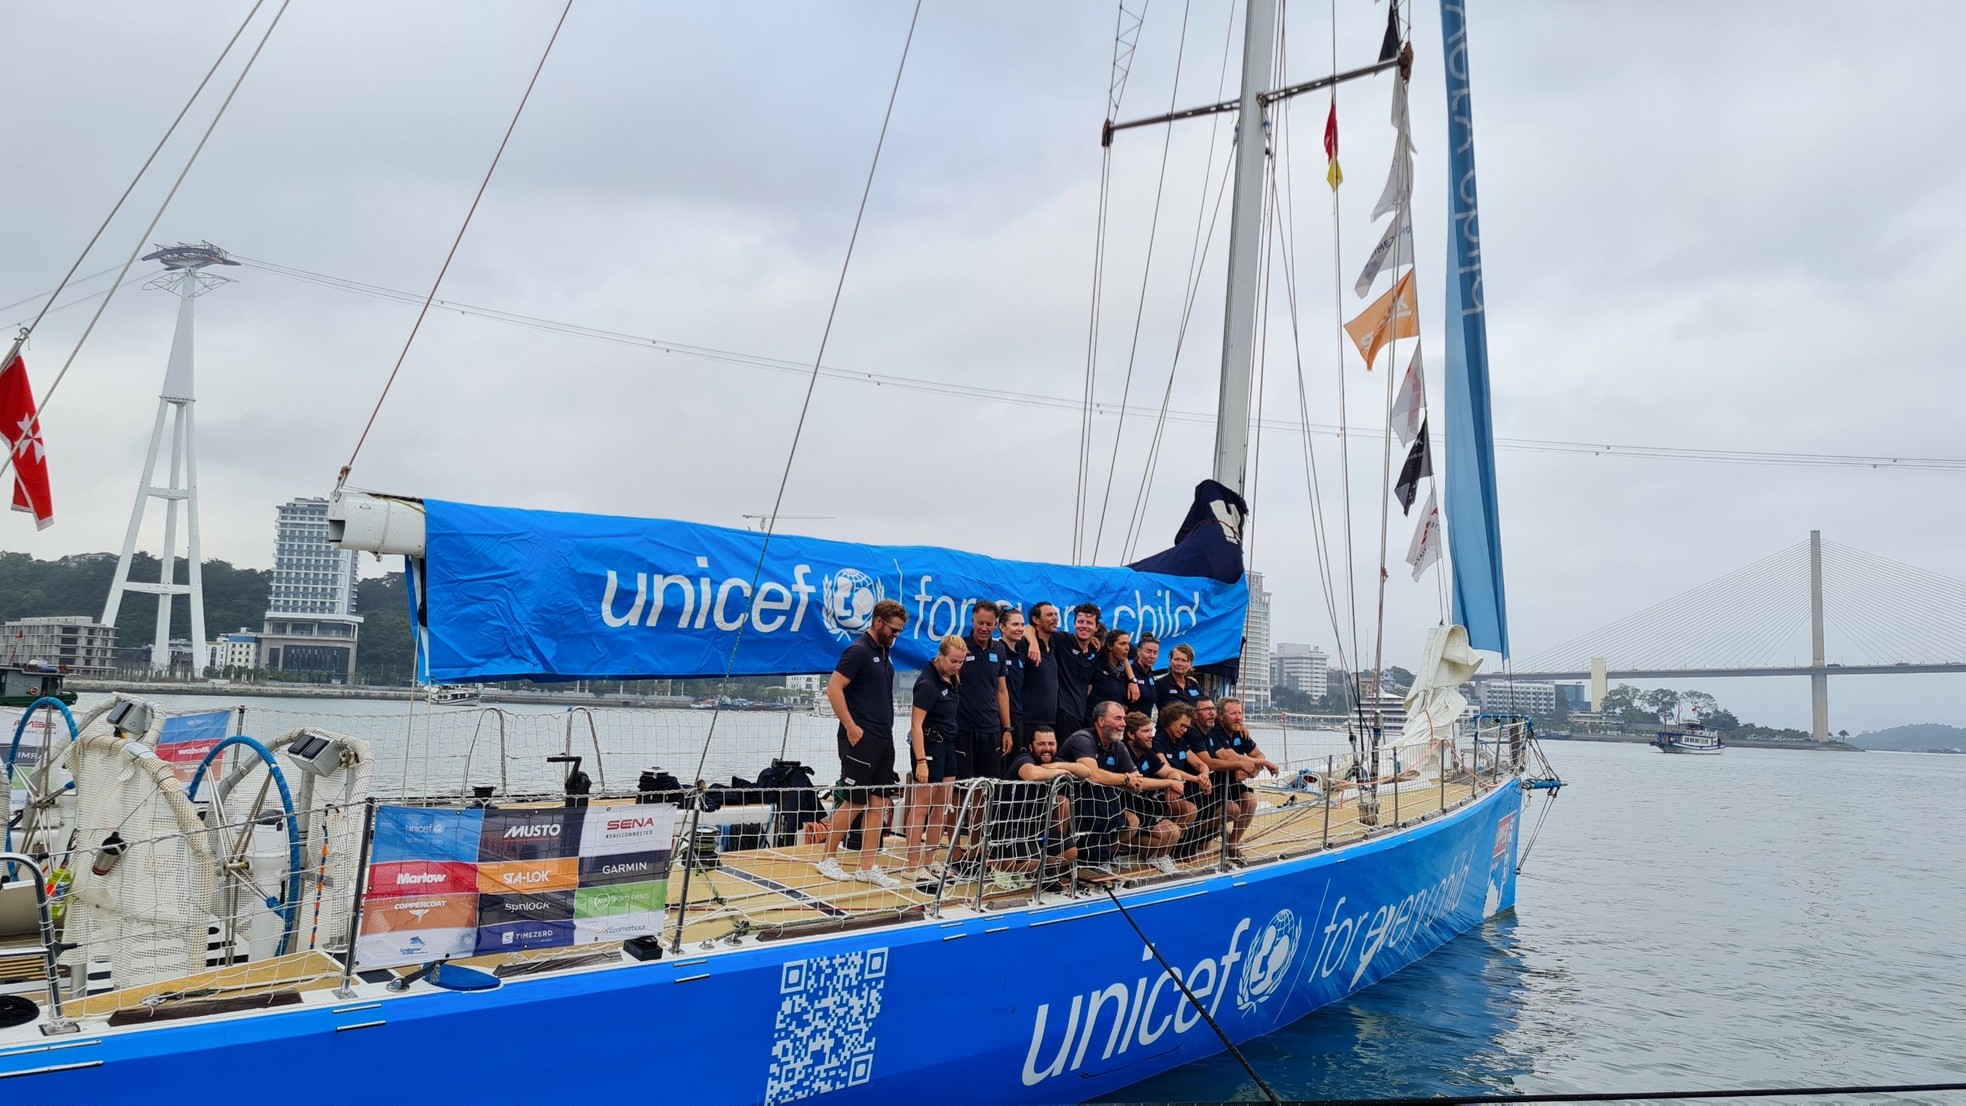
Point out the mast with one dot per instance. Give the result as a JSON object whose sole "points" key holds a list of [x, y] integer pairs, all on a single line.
{"points": [[1245, 247]]}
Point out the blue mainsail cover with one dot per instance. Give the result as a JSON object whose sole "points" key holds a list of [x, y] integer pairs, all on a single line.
{"points": [[1474, 526], [505, 594]]}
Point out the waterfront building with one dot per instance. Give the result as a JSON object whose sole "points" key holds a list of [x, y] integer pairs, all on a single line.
{"points": [[238, 650], [311, 624], [79, 644], [1253, 683], [1302, 668], [1531, 697]]}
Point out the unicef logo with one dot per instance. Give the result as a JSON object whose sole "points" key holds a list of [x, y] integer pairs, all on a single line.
{"points": [[847, 602], [1269, 960]]}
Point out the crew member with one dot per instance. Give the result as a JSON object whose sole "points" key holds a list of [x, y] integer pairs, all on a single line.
{"points": [[1076, 658], [1163, 812], [932, 740], [1112, 677], [982, 700], [1022, 830], [1146, 654], [1010, 623], [1179, 685], [1106, 821], [1238, 749], [1040, 671], [861, 691]]}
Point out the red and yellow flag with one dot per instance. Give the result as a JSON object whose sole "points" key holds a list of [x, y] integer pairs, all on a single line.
{"points": [[1333, 175], [1393, 315]]}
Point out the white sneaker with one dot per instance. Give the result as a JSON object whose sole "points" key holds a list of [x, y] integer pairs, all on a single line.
{"points": [[1163, 865], [830, 868], [878, 878], [912, 875]]}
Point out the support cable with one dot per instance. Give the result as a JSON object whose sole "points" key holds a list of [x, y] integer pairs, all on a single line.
{"points": [[422, 313]]}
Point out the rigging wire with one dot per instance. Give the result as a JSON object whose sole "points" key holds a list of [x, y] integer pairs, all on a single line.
{"points": [[1766, 458], [1197, 260], [49, 395], [812, 383], [451, 256], [1146, 277]]}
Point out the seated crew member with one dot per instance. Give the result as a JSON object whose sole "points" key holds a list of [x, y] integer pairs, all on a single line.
{"points": [[1040, 671], [1010, 623], [1146, 654], [1020, 821], [932, 740], [1112, 675], [1238, 749], [1076, 657], [1163, 812], [1172, 752], [861, 692], [1201, 742], [982, 700], [1106, 821], [1179, 685]]}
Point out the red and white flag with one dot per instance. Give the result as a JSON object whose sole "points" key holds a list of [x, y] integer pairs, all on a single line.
{"points": [[22, 428], [1410, 405], [1425, 547]]}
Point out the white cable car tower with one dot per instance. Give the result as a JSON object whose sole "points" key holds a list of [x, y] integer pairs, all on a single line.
{"points": [[184, 266]]}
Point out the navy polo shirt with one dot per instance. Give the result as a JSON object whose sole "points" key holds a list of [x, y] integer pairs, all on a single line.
{"points": [[869, 691], [1015, 657], [1109, 683], [1196, 741], [1238, 742], [1174, 752], [1040, 685], [935, 697], [1165, 691], [1149, 700], [1075, 667], [976, 699], [1217, 739], [1085, 744], [1151, 761]]}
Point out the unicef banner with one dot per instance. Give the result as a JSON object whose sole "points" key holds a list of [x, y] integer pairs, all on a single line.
{"points": [[511, 594]]}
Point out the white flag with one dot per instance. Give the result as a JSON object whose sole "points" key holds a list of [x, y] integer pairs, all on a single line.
{"points": [[1395, 248], [1399, 182], [1410, 405], [1425, 549]]}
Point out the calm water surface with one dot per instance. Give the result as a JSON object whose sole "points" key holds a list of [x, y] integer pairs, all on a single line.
{"points": [[1758, 918]]}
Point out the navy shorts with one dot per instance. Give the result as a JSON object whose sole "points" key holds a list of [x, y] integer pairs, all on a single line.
{"points": [[979, 755], [941, 750]]}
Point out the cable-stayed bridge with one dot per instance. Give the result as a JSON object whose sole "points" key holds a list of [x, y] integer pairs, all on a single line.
{"points": [[1815, 609]]}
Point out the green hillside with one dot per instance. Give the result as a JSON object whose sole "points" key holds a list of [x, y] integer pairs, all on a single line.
{"points": [[1919, 735]]}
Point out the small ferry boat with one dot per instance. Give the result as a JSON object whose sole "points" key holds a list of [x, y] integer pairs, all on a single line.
{"points": [[451, 694], [22, 684], [1687, 737]]}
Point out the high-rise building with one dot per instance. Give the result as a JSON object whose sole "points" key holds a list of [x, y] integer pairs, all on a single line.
{"points": [[1302, 668], [1517, 696], [1253, 685], [78, 643], [311, 624]]}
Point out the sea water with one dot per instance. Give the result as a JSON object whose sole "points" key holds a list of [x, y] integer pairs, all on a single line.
{"points": [[1757, 918]]}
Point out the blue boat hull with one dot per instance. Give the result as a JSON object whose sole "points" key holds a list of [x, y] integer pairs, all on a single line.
{"points": [[1054, 1003]]}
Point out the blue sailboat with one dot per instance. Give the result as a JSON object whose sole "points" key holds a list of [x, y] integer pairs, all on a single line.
{"points": [[434, 984]]}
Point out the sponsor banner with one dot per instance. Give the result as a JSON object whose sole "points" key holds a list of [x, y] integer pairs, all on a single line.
{"points": [[518, 936], [511, 594], [614, 830], [622, 898], [618, 927], [413, 946], [599, 871], [420, 912], [529, 876], [552, 906], [185, 739], [417, 833], [544, 834], [421, 877]]}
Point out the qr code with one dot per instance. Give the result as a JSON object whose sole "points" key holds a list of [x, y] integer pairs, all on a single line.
{"points": [[823, 1038]]}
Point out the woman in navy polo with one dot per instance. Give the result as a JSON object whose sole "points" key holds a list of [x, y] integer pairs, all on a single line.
{"points": [[1146, 653], [1112, 673], [932, 740]]}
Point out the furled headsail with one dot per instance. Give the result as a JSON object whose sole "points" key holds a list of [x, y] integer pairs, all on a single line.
{"points": [[499, 593]]}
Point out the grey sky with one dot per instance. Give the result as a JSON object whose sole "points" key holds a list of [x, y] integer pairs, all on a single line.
{"points": [[1731, 227]]}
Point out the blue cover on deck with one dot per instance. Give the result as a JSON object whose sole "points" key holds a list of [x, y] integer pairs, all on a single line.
{"points": [[513, 594], [1474, 525]]}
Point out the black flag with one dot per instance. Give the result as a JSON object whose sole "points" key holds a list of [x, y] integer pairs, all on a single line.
{"points": [[1419, 462], [1389, 49]]}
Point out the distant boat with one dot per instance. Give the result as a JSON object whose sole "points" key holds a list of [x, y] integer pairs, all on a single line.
{"points": [[22, 684], [443, 695], [1688, 737]]}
